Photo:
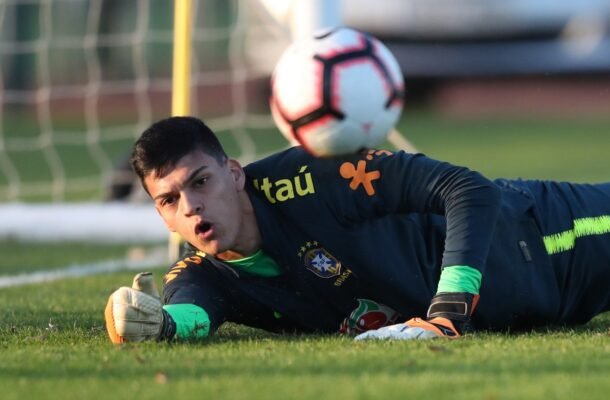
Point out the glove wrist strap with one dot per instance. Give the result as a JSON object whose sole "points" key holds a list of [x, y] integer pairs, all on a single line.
{"points": [[168, 327], [456, 307]]}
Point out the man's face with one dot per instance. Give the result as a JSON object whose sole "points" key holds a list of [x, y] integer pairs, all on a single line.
{"points": [[199, 199]]}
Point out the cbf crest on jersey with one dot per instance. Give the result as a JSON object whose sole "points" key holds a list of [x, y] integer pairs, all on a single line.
{"points": [[322, 263]]}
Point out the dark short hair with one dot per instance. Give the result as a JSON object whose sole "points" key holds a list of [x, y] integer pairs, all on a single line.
{"points": [[165, 142]]}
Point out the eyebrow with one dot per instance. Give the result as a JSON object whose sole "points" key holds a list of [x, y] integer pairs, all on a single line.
{"points": [[188, 179]]}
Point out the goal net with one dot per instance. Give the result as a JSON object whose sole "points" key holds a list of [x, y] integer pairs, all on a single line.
{"points": [[80, 80]]}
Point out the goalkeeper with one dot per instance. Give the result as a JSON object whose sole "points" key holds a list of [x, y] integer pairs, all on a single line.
{"points": [[378, 245]]}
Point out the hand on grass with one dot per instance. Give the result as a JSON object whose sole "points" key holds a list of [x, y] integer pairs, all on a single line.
{"points": [[134, 314], [415, 328]]}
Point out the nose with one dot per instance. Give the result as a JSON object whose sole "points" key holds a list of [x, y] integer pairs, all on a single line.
{"points": [[191, 204]]}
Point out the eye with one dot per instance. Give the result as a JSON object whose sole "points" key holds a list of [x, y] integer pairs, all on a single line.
{"points": [[167, 201], [200, 181]]}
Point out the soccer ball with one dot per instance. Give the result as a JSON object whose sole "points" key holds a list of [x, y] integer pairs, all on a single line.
{"points": [[337, 93]]}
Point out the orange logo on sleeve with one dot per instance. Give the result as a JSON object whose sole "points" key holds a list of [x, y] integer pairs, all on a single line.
{"points": [[359, 176], [179, 266]]}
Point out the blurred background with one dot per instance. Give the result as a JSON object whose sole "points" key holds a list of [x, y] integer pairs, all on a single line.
{"points": [[513, 88]]}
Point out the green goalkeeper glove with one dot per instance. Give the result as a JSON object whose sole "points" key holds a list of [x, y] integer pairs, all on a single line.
{"points": [[135, 313], [447, 317]]}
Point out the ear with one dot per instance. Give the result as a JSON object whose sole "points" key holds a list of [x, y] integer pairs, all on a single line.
{"points": [[239, 176]]}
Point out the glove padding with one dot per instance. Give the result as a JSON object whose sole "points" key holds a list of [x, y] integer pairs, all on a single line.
{"points": [[135, 314], [415, 328]]}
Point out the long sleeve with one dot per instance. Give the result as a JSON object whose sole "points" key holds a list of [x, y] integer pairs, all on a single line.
{"points": [[382, 183]]}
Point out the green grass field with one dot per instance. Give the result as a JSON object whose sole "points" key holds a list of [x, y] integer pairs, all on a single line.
{"points": [[53, 344]]}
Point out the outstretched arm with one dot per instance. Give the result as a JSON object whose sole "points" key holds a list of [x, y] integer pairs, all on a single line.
{"points": [[470, 203]]}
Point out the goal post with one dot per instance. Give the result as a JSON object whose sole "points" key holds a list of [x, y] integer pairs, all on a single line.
{"points": [[181, 83], [181, 73]]}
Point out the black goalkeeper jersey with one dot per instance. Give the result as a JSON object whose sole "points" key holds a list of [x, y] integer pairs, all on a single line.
{"points": [[361, 241]]}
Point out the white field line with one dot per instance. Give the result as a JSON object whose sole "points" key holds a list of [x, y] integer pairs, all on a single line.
{"points": [[92, 222], [154, 258]]}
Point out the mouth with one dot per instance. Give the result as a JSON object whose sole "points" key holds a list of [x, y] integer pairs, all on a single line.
{"points": [[204, 230]]}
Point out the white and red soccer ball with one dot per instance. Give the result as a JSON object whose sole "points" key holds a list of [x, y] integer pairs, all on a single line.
{"points": [[337, 93]]}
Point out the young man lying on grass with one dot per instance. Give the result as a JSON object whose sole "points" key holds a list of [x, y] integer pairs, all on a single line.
{"points": [[378, 244]]}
